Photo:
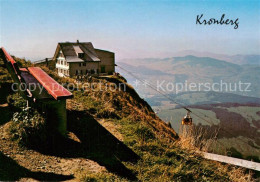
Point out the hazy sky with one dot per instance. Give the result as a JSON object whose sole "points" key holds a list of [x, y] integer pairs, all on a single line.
{"points": [[32, 29]]}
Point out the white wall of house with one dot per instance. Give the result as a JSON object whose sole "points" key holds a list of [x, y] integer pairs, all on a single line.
{"points": [[62, 66]]}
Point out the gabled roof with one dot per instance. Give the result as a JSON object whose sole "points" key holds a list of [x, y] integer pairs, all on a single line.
{"points": [[70, 50]]}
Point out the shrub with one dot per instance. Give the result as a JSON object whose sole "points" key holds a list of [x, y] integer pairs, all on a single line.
{"points": [[106, 113], [144, 133], [28, 127], [16, 102], [22, 62]]}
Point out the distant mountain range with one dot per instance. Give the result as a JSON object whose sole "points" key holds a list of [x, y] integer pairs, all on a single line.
{"points": [[252, 59], [194, 69]]}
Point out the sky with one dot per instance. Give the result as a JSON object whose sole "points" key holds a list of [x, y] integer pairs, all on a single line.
{"points": [[131, 29]]}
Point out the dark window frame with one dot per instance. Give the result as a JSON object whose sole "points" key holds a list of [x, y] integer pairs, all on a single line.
{"points": [[81, 55], [102, 69]]}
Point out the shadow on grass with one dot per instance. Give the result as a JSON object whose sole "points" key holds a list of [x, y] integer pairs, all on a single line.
{"points": [[5, 115], [96, 143], [10, 170]]}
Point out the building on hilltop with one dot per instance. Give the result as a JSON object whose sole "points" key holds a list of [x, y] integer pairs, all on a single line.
{"points": [[81, 58]]}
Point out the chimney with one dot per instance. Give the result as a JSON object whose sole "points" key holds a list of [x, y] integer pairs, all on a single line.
{"points": [[46, 60], [77, 41]]}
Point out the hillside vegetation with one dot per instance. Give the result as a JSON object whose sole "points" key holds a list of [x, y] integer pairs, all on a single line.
{"points": [[112, 136], [237, 125], [5, 77]]}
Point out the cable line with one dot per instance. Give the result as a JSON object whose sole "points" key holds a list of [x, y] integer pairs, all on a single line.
{"points": [[178, 103]]}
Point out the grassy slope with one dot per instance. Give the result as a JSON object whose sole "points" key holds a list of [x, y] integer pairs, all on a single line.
{"points": [[160, 159], [240, 120]]}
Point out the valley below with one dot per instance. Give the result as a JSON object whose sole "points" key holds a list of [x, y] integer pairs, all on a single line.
{"points": [[232, 116]]}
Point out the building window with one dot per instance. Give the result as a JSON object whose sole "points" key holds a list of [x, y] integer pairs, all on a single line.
{"points": [[60, 54], [84, 64], [81, 55], [79, 64], [103, 69], [81, 72], [77, 72]]}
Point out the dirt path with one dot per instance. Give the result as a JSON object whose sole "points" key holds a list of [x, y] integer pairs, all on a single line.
{"points": [[33, 165], [37, 162]]}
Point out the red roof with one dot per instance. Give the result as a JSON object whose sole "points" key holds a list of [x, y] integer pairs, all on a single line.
{"points": [[52, 87]]}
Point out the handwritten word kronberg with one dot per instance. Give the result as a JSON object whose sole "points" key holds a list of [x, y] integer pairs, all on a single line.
{"points": [[222, 21]]}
